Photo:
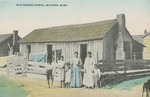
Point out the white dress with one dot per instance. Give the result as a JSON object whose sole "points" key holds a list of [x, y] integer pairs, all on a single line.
{"points": [[89, 70], [68, 75], [61, 65], [97, 72]]}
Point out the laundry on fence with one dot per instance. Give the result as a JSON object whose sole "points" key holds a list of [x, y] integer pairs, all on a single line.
{"points": [[39, 57]]}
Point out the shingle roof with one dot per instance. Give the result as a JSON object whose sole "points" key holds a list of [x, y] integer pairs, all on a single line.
{"points": [[68, 33], [138, 38], [4, 37]]}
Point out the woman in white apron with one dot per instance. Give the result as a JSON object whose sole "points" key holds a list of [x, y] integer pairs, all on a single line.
{"points": [[88, 71]]}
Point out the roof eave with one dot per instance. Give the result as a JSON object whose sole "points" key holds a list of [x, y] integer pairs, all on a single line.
{"points": [[60, 41], [5, 39], [146, 35], [139, 43]]}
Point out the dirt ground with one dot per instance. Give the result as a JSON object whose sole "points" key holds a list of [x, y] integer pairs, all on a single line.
{"points": [[38, 88], [3, 61]]}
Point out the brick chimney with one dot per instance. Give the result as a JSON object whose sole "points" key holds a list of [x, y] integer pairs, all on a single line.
{"points": [[15, 41], [121, 21], [120, 55]]}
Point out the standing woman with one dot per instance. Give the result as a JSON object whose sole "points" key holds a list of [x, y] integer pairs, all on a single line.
{"points": [[88, 71], [76, 80]]}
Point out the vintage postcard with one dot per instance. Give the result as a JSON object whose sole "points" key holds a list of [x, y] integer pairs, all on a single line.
{"points": [[74, 48]]}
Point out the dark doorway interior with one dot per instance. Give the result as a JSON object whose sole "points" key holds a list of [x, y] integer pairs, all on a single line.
{"points": [[49, 51], [83, 52], [28, 51]]}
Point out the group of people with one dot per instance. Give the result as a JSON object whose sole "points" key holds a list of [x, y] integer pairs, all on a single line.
{"points": [[70, 72]]}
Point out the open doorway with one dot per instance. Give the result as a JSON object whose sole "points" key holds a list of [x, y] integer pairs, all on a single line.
{"points": [[49, 53], [83, 52], [28, 51]]}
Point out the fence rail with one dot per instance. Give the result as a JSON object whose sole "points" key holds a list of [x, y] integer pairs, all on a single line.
{"points": [[122, 65], [17, 65], [120, 70], [40, 68], [113, 71], [37, 67]]}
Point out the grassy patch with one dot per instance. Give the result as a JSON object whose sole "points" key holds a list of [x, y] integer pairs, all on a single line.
{"points": [[128, 85], [10, 88]]}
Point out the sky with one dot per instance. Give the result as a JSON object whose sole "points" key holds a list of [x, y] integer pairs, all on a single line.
{"points": [[25, 19]]}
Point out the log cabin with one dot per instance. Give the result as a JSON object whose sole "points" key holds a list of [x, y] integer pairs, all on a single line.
{"points": [[9, 43], [107, 40]]}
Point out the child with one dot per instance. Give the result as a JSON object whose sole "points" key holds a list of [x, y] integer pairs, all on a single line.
{"points": [[96, 76], [49, 73], [61, 68], [67, 75]]}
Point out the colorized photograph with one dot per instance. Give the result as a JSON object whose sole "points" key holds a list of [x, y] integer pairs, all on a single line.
{"points": [[74, 48]]}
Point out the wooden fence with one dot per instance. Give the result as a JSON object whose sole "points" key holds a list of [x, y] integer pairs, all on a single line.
{"points": [[124, 65], [37, 67], [120, 70], [40, 68], [17, 65], [113, 71]]}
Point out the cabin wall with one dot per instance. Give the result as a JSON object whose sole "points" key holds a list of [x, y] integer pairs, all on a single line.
{"points": [[137, 52], [109, 43], [4, 50], [128, 45], [146, 51], [68, 49], [124, 45]]}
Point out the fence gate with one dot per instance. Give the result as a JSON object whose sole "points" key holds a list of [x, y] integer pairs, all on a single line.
{"points": [[17, 65]]}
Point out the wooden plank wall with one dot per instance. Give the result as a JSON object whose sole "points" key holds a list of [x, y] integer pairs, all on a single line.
{"points": [[68, 49], [109, 43]]}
